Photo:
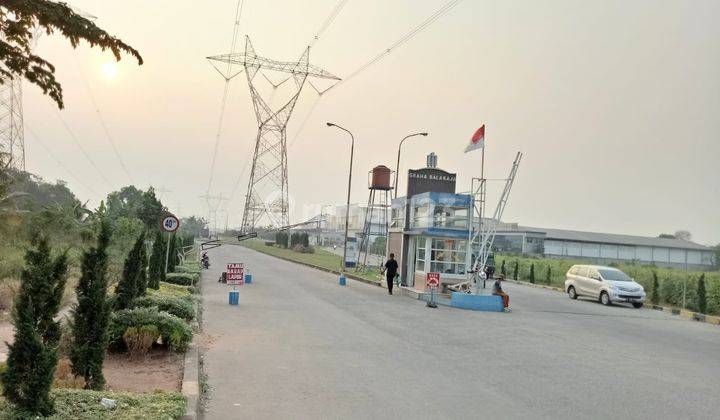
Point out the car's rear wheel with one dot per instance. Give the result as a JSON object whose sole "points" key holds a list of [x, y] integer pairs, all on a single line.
{"points": [[637, 305], [572, 293], [605, 299]]}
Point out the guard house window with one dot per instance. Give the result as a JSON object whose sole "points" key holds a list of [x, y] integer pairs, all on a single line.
{"points": [[420, 253], [450, 217], [420, 216], [447, 256]]}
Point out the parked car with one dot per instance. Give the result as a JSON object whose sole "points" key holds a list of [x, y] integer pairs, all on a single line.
{"points": [[607, 284]]}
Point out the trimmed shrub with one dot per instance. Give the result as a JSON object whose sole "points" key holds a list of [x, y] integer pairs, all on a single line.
{"points": [[138, 340], [532, 273], [502, 268], [176, 334], [303, 249], [516, 271], [183, 279], [181, 307], [701, 298], [187, 269]]}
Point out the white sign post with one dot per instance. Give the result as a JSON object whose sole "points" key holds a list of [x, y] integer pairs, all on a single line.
{"points": [[169, 224]]}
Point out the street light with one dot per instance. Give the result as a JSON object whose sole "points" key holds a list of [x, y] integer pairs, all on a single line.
{"points": [[397, 168], [347, 207]]}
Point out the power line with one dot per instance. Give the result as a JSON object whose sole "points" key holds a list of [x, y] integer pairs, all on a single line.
{"points": [[102, 121], [328, 21], [82, 149], [402, 40], [223, 103], [405, 38], [58, 161]]}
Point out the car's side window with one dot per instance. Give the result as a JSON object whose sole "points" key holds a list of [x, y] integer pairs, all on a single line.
{"points": [[593, 274], [573, 270], [582, 271]]}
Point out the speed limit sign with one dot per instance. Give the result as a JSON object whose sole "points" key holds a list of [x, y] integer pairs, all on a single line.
{"points": [[170, 223]]}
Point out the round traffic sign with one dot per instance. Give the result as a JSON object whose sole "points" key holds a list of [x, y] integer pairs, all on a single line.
{"points": [[170, 223]]}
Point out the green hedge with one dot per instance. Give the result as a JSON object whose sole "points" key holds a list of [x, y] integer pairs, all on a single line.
{"points": [[670, 280], [181, 307], [183, 279], [176, 334], [187, 269], [78, 404]]}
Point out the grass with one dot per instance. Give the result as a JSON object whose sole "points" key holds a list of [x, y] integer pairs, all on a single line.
{"points": [[85, 405], [671, 281], [320, 258]]}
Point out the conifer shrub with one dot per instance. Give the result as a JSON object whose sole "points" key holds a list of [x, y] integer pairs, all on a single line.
{"points": [[33, 356], [156, 269], [92, 314]]}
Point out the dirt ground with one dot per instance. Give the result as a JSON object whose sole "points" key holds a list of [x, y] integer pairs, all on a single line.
{"points": [[159, 370]]}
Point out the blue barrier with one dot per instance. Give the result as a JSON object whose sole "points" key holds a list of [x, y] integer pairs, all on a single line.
{"points": [[248, 278], [342, 281], [234, 298], [489, 303]]}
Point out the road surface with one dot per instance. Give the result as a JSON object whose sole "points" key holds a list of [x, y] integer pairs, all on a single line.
{"points": [[300, 346]]}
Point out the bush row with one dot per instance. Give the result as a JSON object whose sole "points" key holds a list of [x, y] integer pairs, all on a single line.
{"points": [[182, 279], [175, 333], [181, 307]]}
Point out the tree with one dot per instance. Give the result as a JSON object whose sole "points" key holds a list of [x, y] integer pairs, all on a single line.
{"points": [[172, 255], [127, 288], [532, 273], [701, 298], [666, 236], [156, 270], [142, 280], [685, 235], [19, 21], [655, 296], [127, 202], [516, 271], [92, 313], [151, 209], [548, 275], [502, 268], [34, 353]]}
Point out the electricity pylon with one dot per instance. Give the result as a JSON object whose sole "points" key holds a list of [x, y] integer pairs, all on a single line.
{"points": [[12, 134], [266, 199]]}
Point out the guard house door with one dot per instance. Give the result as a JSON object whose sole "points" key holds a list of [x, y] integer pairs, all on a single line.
{"points": [[410, 275]]}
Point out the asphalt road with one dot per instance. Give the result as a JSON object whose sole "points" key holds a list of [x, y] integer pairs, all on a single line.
{"points": [[300, 346]]}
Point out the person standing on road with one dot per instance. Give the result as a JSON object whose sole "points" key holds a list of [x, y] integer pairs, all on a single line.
{"points": [[498, 291], [390, 270]]}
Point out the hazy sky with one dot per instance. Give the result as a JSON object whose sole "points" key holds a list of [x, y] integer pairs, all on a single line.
{"points": [[615, 104]]}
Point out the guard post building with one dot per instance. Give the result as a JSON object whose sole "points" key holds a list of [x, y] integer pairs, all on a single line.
{"points": [[429, 227]]}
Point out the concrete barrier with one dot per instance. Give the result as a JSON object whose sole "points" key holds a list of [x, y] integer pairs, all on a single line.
{"points": [[488, 303]]}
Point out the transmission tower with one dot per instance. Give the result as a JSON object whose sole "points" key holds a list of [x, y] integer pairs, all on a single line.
{"points": [[266, 199], [12, 136]]}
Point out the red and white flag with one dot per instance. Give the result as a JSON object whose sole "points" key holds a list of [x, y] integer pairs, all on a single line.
{"points": [[477, 141]]}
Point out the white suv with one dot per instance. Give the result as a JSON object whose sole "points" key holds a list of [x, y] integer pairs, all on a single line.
{"points": [[604, 283]]}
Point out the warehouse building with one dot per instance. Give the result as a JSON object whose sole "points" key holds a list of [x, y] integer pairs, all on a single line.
{"points": [[604, 248]]}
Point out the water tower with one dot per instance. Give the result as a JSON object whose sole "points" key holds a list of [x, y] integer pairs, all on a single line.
{"points": [[380, 182]]}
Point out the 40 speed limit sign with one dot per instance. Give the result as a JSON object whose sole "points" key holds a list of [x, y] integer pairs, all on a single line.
{"points": [[170, 223]]}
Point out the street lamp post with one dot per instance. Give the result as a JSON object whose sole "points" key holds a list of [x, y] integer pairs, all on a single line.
{"points": [[397, 168], [347, 207]]}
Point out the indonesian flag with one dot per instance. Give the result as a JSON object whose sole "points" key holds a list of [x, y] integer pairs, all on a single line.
{"points": [[477, 141]]}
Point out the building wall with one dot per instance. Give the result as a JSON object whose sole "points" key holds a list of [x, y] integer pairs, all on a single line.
{"points": [[606, 253]]}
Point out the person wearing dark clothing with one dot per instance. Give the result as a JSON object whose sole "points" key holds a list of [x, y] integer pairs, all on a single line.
{"points": [[390, 269], [498, 291]]}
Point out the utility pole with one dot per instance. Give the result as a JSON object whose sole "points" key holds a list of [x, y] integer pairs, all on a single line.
{"points": [[267, 198], [12, 134]]}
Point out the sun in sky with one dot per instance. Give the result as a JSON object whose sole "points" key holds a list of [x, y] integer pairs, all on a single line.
{"points": [[109, 69]]}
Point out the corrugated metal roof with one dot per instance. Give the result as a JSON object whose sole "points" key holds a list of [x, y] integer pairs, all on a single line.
{"points": [[612, 238]]}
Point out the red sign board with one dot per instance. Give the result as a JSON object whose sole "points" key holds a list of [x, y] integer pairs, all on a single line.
{"points": [[236, 273], [432, 281]]}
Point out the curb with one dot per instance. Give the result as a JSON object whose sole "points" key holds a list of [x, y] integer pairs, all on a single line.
{"points": [[683, 313], [190, 383]]}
